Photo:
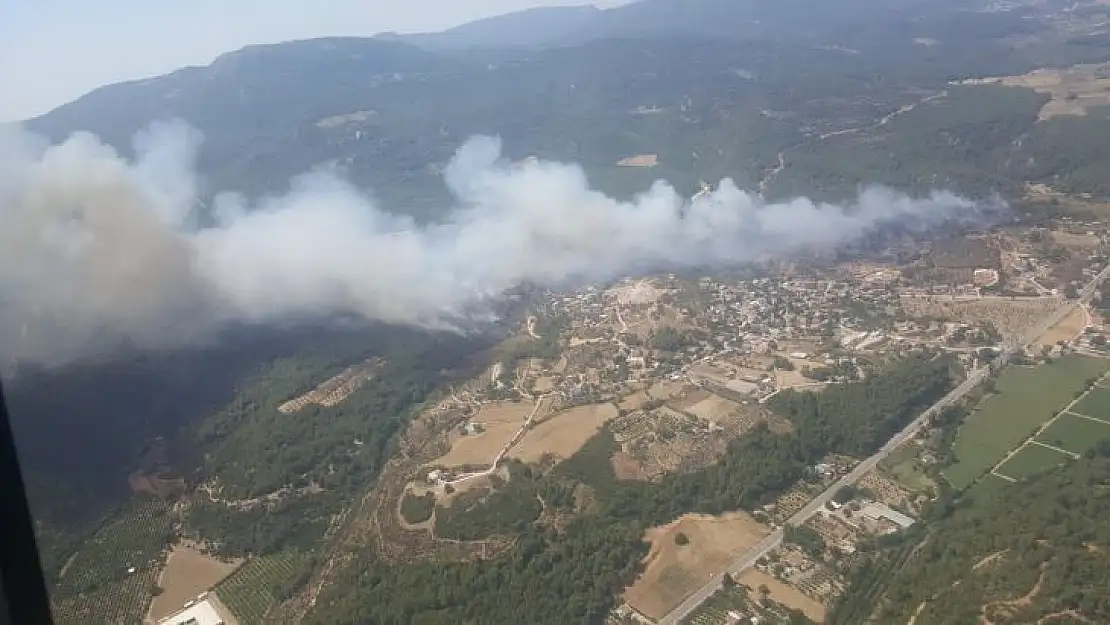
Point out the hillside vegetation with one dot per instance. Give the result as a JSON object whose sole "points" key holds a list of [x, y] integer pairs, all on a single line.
{"points": [[1011, 553]]}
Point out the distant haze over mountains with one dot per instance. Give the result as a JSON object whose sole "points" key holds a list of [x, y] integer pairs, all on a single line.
{"points": [[395, 223]]}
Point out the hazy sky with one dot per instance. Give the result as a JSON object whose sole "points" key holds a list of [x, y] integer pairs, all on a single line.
{"points": [[52, 51]]}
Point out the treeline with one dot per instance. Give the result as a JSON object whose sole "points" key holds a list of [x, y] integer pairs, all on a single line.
{"points": [[994, 545], [570, 577], [574, 575], [856, 419]]}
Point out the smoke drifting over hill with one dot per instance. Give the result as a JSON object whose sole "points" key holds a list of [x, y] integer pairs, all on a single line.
{"points": [[96, 250]]}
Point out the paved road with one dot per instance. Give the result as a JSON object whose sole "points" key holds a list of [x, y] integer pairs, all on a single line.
{"points": [[974, 379]]}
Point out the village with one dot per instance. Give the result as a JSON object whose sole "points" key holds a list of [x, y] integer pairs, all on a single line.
{"points": [[676, 366]]}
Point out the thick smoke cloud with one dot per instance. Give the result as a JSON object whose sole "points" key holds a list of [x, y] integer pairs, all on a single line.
{"points": [[96, 250]]}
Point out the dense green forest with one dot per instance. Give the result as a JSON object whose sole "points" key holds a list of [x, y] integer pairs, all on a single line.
{"points": [[308, 465], [1044, 540], [81, 429], [572, 574]]}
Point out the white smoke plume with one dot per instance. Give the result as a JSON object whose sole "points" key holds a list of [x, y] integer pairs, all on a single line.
{"points": [[96, 250]]}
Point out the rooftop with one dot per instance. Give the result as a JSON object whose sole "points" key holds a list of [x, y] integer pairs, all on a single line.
{"points": [[882, 511], [200, 613]]}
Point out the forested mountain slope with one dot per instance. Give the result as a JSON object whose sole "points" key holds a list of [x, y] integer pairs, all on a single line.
{"points": [[392, 114], [1012, 553]]}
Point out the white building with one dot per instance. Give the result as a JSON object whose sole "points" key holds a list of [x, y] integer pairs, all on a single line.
{"points": [[199, 613], [878, 511]]}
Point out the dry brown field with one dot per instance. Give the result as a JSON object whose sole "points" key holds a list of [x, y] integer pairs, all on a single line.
{"points": [[634, 401], [188, 573], [1011, 316], [1073, 90], [1069, 328], [563, 434], [675, 572], [640, 160], [1068, 239], [501, 420], [709, 407], [783, 593], [666, 389]]}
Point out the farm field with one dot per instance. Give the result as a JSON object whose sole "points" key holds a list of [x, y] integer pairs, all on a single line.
{"points": [[1011, 317], [1075, 434], [249, 592], [673, 572], [634, 401], [188, 573], [500, 421], [110, 578], [1073, 90], [1024, 399], [563, 434], [1069, 327], [785, 594], [715, 609], [1096, 404], [1031, 460], [709, 407]]}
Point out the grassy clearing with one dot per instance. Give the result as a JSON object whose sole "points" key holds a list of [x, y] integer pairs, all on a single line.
{"points": [[904, 466], [254, 589], [1075, 434], [1031, 460], [1024, 399], [1096, 404]]}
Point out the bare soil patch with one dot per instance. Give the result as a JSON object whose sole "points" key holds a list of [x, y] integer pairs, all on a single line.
{"points": [[1071, 239], [987, 560], [636, 293], [188, 573], [563, 434], [1074, 90], [713, 408], [1013, 317], [640, 160], [783, 593], [1069, 328], [666, 389], [634, 401], [674, 572], [1005, 610], [499, 422]]}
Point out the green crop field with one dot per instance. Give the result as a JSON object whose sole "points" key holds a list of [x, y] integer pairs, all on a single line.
{"points": [[109, 580], [1075, 434], [1096, 404], [1024, 399], [1031, 460], [250, 591]]}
